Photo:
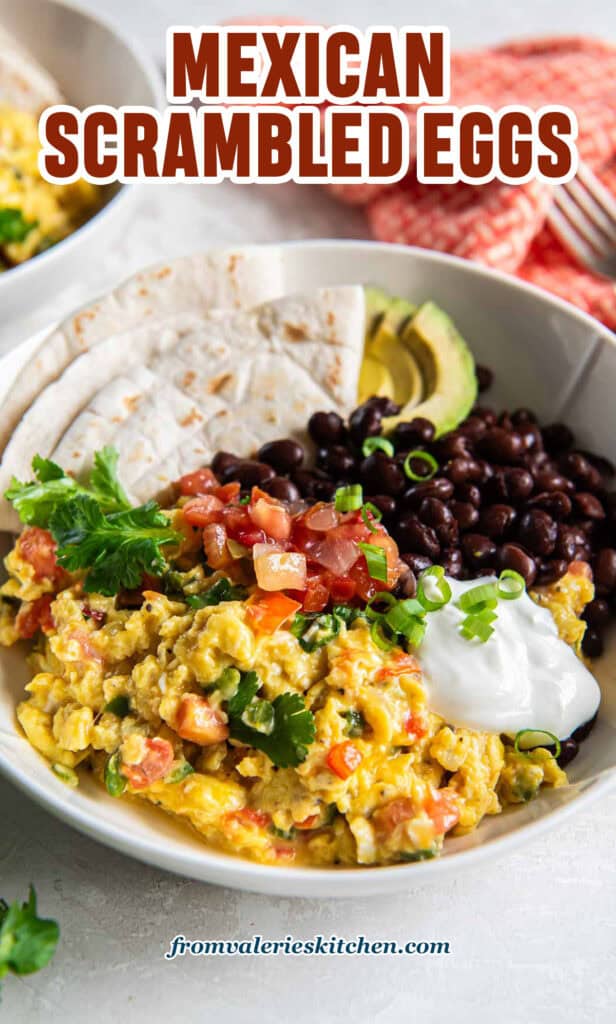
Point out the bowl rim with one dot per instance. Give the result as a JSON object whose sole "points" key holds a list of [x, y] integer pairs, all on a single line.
{"points": [[208, 865], [126, 191]]}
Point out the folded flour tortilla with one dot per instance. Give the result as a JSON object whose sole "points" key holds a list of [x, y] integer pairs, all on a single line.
{"points": [[226, 279], [171, 393]]}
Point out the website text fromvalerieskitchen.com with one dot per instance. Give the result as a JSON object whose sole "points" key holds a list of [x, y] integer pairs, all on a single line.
{"points": [[318, 945]]}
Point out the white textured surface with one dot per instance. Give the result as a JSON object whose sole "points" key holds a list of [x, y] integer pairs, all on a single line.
{"points": [[532, 936]]}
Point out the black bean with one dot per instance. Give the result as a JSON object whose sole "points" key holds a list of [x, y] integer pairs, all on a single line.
{"points": [[469, 492], [337, 461], [556, 503], [281, 488], [495, 489], [465, 513], [497, 520], [324, 490], [307, 482], [568, 750], [434, 512], [284, 455], [521, 417], [378, 472], [501, 445], [592, 643], [597, 613], [550, 480], [570, 542], [588, 505], [605, 571], [385, 503], [487, 415], [557, 438], [417, 563], [484, 377], [551, 570], [603, 465], [537, 532], [413, 535], [407, 584], [512, 556], [478, 550], [224, 465], [519, 483], [583, 731], [366, 420], [408, 435], [462, 470], [473, 428], [576, 466], [453, 446], [451, 560], [440, 487], [251, 473], [326, 428]]}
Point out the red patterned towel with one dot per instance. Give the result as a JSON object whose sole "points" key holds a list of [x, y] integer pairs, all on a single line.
{"points": [[504, 226]]}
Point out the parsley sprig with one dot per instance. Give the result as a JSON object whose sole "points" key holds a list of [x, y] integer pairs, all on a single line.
{"points": [[36, 501], [13, 225], [283, 729], [116, 549], [27, 942]]}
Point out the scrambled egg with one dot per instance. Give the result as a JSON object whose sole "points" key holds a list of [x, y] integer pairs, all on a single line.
{"points": [[54, 210], [415, 777]]}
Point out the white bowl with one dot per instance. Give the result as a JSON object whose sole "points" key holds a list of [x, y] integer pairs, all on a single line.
{"points": [[545, 355], [92, 63]]}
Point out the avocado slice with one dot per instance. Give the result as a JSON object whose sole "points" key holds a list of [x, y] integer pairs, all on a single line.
{"points": [[374, 379], [407, 385], [377, 302], [447, 368]]}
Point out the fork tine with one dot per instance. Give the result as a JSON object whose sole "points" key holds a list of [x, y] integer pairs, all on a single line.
{"points": [[587, 201], [570, 239], [598, 191], [580, 221]]}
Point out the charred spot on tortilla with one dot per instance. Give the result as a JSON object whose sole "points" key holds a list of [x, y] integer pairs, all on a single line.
{"points": [[193, 417], [296, 332], [218, 383]]}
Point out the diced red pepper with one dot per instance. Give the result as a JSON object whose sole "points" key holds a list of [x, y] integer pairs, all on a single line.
{"points": [[35, 615], [414, 726], [38, 548], [154, 765], [267, 612], [198, 722], [203, 510], [393, 813], [343, 759], [251, 816], [443, 808]]}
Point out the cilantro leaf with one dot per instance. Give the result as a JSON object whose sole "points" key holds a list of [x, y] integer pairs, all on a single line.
{"points": [[292, 733], [27, 942], [221, 590], [116, 549], [36, 501], [248, 687], [13, 225]]}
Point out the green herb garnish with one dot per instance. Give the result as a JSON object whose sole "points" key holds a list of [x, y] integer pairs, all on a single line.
{"points": [[66, 775], [13, 225], [221, 590], [181, 771], [356, 723], [316, 629], [370, 512], [36, 501], [348, 499], [291, 726], [27, 941], [116, 550], [119, 706], [115, 782], [421, 456], [373, 444], [376, 560]]}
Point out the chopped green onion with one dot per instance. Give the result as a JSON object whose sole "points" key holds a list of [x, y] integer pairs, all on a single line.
{"points": [[348, 499], [415, 633], [119, 706], [383, 597], [477, 627], [282, 833], [511, 585], [412, 856], [438, 586], [180, 772], [259, 715], [422, 456], [114, 780], [376, 560], [373, 444], [470, 599], [403, 615], [66, 775], [532, 742], [356, 723], [314, 631], [245, 500], [378, 635], [368, 510], [346, 613]]}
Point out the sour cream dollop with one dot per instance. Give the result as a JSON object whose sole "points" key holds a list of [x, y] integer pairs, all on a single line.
{"points": [[523, 677]]}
